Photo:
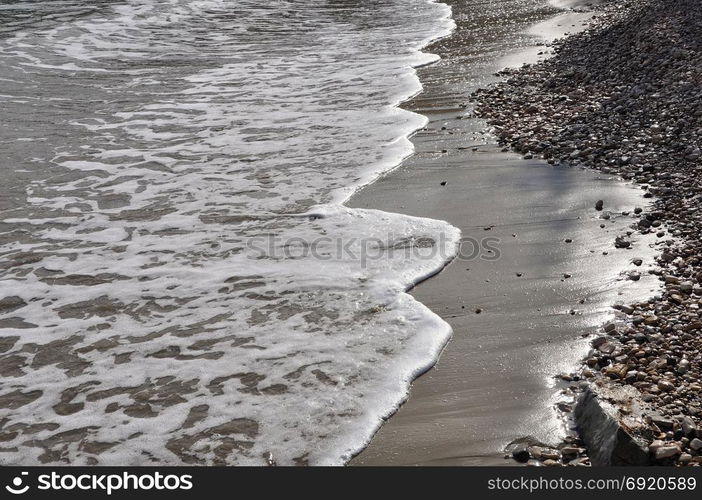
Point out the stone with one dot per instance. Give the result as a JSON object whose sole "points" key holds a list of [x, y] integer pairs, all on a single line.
{"points": [[611, 437], [665, 424], [550, 454], [521, 454], [607, 348], [627, 309], [688, 427], [610, 327], [599, 204], [570, 451], [616, 371], [620, 242], [520, 449], [650, 319], [667, 451], [696, 444], [597, 342], [676, 299], [665, 386]]}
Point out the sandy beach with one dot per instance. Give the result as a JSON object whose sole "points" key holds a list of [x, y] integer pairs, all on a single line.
{"points": [[556, 277]]}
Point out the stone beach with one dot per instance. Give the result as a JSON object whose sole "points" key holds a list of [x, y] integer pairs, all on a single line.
{"points": [[625, 97]]}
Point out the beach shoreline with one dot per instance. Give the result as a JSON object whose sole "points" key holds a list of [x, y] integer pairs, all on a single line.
{"points": [[631, 108], [522, 318]]}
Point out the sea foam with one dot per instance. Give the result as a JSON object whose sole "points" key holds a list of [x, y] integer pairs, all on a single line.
{"points": [[188, 286]]}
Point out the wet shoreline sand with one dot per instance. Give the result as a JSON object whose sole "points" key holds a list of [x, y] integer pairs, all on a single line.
{"points": [[522, 318]]}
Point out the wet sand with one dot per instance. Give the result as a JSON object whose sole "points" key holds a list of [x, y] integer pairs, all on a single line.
{"points": [[495, 380]]}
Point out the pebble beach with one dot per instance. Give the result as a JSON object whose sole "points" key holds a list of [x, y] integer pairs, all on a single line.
{"points": [[624, 97]]}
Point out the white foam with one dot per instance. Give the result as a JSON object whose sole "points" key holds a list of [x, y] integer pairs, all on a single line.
{"points": [[206, 145]]}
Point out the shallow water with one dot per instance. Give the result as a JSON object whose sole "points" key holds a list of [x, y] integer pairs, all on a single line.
{"points": [[180, 283]]}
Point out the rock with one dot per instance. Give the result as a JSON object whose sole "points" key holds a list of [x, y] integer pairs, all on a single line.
{"points": [[610, 327], [696, 444], [620, 242], [665, 386], [550, 454], [607, 348], [520, 449], [665, 424], [688, 427], [597, 342], [640, 338], [650, 319], [612, 438], [676, 299], [627, 309], [521, 454], [637, 262], [570, 451], [683, 366], [599, 204], [666, 451], [617, 371]]}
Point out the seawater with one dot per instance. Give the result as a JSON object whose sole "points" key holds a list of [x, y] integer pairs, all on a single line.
{"points": [[181, 282]]}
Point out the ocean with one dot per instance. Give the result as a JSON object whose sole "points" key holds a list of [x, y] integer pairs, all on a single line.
{"points": [[181, 281]]}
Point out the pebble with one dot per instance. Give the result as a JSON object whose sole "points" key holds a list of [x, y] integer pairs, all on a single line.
{"points": [[665, 386], [521, 453], [620, 242], [666, 451]]}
